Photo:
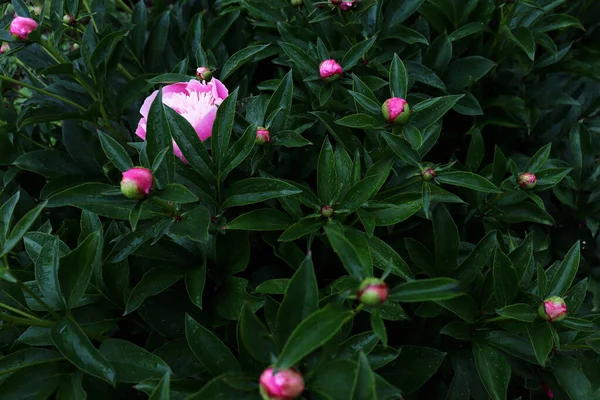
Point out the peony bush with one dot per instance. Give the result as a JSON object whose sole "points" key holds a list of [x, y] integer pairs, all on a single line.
{"points": [[300, 199]]}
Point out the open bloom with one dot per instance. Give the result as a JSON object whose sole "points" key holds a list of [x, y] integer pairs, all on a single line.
{"points": [[330, 70], [553, 309], [395, 110], [136, 183], [286, 384], [527, 180], [21, 27], [372, 291], [195, 101]]}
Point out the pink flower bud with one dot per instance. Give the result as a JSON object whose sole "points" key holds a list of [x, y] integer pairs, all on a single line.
{"points": [[395, 110], [286, 384], [553, 309], [428, 174], [21, 27], [204, 73], [549, 393], [297, 3], [262, 136], [136, 183], [68, 19], [4, 48], [330, 70], [75, 47], [346, 5], [372, 292], [327, 211], [527, 180]]}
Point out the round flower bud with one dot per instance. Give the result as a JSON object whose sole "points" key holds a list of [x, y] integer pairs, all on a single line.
{"points": [[262, 136], [327, 211], [395, 111], [75, 47], [553, 309], [428, 174], [330, 70], [372, 292], [297, 3], [69, 19], [136, 183], [37, 10], [4, 48], [21, 27], [204, 73], [346, 5], [527, 180], [286, 384]]}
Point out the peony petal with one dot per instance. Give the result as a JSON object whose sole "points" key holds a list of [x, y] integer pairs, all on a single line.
{"points": [[204, 126], [147, 103], [141, 128]]}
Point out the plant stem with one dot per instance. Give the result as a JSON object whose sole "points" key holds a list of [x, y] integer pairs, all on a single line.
{"points": [[25, 321], [122, 69], [6, 78], [22, 313]]}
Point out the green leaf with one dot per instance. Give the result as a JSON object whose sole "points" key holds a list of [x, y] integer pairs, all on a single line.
{"points": [[356, 52], [25, 358], [519, 312], [425, 290], [115, 152], [152, 283], [552, 22], [256, 337], [194, 225], [565, 274], [398, 78], [360, 193], [578, 324], [177, 194], [364, 383], [76, 269], [348, 254], [159, 137], [378, 326], [467, 30], [430, 111], [468, 180], [300, 58], [214, 355], [523, 38], [22, 227], [494, 371], [301, 299], [459, 387], [385, 257], [540, 335], [266, 219], [476, 151], [539, 159], [46, 273], [402, 149], [477, 259], [218, 29], [326, 173], [396, 12], [414, 366], [222, 129], [71, 388], [6, 213], [359, 121], [132, 364], [138, 32], [363, 101], [281, 99], [313, 332], [466, 70], [289, 139], [35, 383], [506, 281], [571, 378], [240, 150], [396, 214], [256, 190], [240, 58], [447, 241], [74, 345], [190, 145], [413, 136], [130, 242], [161, 391], [304, 227]]}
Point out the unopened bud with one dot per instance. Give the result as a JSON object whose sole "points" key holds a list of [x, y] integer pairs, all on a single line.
{"points": [[372, 292], [262, 136], [136, 183], [68, 19], [347, 5], [553, 309], [527, 180], [428, 174], [286, 384], [4, 48], [395, 110], [297, 3], [21, 27], [204, 73], [330, 70], [327, 211]]}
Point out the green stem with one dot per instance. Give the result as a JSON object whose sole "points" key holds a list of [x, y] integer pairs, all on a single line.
{"points": [[22, 313], [52, 51], [25, 321], [359, 308], [47, 93], [122, 69]]}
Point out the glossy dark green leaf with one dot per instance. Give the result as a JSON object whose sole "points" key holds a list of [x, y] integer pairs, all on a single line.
{"points": [[378, 326], [571, 377], [256, 337], [195, 281], [468, 180], [266, 219], [447, 241], [356, 52], [76, 269], [414, 366], [396, 12], [138, 32], [132, 364], [476, 150], [326, 173], [304, 227], [537, 161], [71, 388], [194, 225], [519, 312], [466, 70], [565, 274], [430, 111], [46, 273], [300, 58], [349, 255], [35, 383], [6, 214], [256, 190], [158, 137], [350, 348], [313, 332], [74, 345], [222, 129], [540, 335], [402, 149], [115, 152], [396, 214], [398, 78], [553, 22], [21, 227], [219, 28], [209, 349], [477, 258], [494, 371], [130, 242], [364, 383], [385, 257], [281, 99], [506, 281], [161, 391], [359, 121], [152, 283], [238, 59], [425, 290], [25, 358], [240, 150], [176, 193]]}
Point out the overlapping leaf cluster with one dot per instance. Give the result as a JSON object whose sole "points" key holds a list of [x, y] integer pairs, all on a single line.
{"points": [[229, 266]]}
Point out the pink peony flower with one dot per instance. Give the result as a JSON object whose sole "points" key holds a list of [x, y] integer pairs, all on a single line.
{"points": [[395, 110], [262, 136], [527, 180], [4, 48], [21, 27], [136, 183], [330, 70], [286, 384], [346, 5], [553, 309], [372, 291], [195, 101]]}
